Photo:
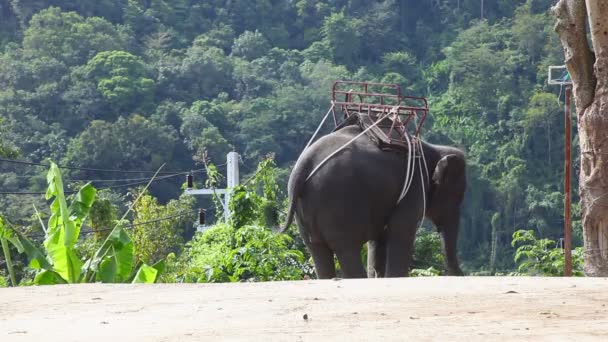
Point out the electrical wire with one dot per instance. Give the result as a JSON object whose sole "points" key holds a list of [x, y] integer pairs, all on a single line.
{"points": [[101, 188], [132, 179], [127, 226], [21, 162], [143, 180]]}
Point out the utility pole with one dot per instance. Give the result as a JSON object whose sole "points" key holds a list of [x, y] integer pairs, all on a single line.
{"points": [[567, 191], [564, 80], [232, 180]]}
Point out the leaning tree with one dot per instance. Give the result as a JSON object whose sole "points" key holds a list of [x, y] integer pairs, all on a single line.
{"points": [[587, 63]]}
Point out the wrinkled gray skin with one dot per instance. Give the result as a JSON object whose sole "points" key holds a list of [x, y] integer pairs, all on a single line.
{"points": [[352, 199]]}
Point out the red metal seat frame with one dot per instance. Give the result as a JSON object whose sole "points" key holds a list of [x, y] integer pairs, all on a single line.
{"points": [[378, 100]]}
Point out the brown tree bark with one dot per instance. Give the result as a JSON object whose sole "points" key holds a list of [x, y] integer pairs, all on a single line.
{"points": [[589, 72]]}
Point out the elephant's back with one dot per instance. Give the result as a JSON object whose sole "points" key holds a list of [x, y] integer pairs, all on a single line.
{"points": [[361, 158], [360, 184]]}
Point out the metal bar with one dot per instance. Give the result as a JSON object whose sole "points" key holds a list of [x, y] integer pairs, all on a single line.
{"points": [[333, 113], [204, 191], [422, 120], [365, 84], [380, 106], [367, 94], [567, 191]]}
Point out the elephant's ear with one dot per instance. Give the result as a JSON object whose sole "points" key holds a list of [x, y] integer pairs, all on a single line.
{"points": [[449, 183], [449, 170]]}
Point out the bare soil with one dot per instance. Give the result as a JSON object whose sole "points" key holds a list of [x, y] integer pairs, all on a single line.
{"points": [[414, 309]]}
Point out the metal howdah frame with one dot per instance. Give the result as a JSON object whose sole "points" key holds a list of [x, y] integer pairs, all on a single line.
{"points": [[408, 113]]}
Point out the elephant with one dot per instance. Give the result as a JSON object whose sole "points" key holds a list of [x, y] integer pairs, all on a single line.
{"points": [[353, 199]]}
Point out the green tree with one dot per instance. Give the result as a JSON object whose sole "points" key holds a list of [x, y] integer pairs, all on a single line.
{"points": [[122, 80], [200, 134], [250, 45], [154, 241], [203, 73], [70, 38], [128, 143], [7, 150], [343, 38]]}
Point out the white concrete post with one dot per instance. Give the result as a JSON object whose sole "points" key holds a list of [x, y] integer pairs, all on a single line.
{"points": [[232, 179]]}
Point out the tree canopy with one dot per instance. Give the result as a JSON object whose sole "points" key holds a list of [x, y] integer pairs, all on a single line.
{"points": [[130, 84]]}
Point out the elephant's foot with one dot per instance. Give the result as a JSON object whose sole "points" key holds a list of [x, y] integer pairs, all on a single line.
{"points": [[373, 273], [454, 271]]}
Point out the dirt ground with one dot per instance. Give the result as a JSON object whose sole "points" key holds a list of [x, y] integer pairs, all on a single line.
{"points": [[414, 309]]}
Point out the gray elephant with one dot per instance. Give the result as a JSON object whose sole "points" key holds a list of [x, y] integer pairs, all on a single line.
{"points": [[353, 198]]}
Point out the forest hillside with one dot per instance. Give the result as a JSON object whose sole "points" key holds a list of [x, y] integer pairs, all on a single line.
{"points": [[132, 84]]}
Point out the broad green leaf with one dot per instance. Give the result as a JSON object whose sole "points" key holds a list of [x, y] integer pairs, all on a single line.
{"points": [[47, 277], [146, 275], [65, 261], [160, 266], [81, 205], [36, 257], [7, 257], [23, 244], [64, 225], [117, 262], [108, 270], [55, 219], [4, 231], [59, 208]]}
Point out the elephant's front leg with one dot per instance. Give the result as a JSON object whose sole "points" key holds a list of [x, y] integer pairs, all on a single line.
{"points": [[376, 258]]}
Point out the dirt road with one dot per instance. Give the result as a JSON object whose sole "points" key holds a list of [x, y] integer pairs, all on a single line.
{"points": [[415, 309]]}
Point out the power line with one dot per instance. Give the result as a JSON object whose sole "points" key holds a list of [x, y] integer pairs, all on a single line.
{"points": [[101, 188], [145, 180], [124, 179], [131, 179], [21, 162], [128, 226]]}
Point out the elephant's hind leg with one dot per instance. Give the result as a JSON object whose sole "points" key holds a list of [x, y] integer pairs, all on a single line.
{"points": [[324, 260], [399, 249], [351, 264]]}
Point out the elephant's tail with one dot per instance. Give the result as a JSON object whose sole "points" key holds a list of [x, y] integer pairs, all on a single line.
{"points": [[296, 183], [290, 215]]}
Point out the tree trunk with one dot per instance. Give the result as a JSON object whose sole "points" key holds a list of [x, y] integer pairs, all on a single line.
{"points": [[590, 84]]}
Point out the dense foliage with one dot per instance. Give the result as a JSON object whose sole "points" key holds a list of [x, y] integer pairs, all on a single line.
{"points": [[244, 249], [58, 261], [543, 257], [131, 84]]}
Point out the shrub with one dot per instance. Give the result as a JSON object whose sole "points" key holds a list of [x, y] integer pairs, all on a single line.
{"points": [[427, 251], [249, 253], [541, 257]]}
